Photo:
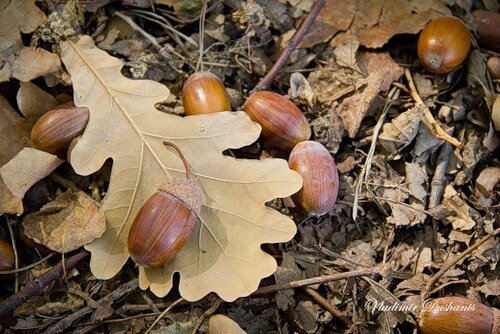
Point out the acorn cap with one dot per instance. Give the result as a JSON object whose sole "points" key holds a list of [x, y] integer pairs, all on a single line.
{"points": [[188, 191]]}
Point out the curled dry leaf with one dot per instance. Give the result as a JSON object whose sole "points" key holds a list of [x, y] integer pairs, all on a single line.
{"points": [[27, 168], [401, 131], [223, 254], [15, 131], [20, 62], [221, 324], [462, 216], [67, 223]]}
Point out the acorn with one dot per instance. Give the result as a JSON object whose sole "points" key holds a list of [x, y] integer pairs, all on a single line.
{"points": [[488, 29], [7, 259], [443, 44], [283, 124], [458, 315], [320, 186], [493, 65], [54, 130], [165, 221], [204, 93]]}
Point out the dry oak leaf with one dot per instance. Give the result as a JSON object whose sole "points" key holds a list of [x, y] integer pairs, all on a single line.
{"points": [[67, 223], [18, 61], [27, 168], [15, 131], [222, 324], [223, 254]]}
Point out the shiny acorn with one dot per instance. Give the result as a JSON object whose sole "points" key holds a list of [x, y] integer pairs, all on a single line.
{"points": [[488, 29], [283, 124], [493, 65], [165, 221], [204, 93], [443, 44], [7, 259], [320, 177], [54, 130], [458, 315]]}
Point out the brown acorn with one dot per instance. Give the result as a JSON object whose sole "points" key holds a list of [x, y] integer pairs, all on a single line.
{"points": [[458, 315], [165, 221], [204, 93], [283, 124], [54, 130], [443, 44], [321, 179], [493, 65], [488, 29], [7, 259]]}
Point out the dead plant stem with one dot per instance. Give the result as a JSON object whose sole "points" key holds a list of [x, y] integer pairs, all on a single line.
{"points": [[328, 306], [440, 273], [16, 256], [178, 301], [316, 280], [206, 314], [34, 264], [38, 284], [266, 81], [428, 119]]}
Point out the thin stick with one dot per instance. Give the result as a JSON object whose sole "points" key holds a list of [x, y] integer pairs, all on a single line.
{"points": [[316, 280], [440, 273], [163, 313], [38, 284], [158, 20], [266, 81], [66, 322], [428, 119], [162, 51], [328, 306], [179, 152], [365, 172], [16, 257], [27, 267], [207, 313]]}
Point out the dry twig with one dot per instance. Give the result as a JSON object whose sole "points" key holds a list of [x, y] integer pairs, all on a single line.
{"points": [[440, 273], [67, 321], [266, 81], [38, 284], [428, 119], [328, 306], [316, 280]]}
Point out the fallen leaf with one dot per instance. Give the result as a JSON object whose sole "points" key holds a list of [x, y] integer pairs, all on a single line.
{"points": [[34, 101], [401, 131], [490, 288], [27, 168], [183, 7], [288, 271], [375, 22], [221, 324], [338, 81], [234, 222], [15, 132], [20, 62], [463, 217], [67, 223], [308, 314], [335, 16]]}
